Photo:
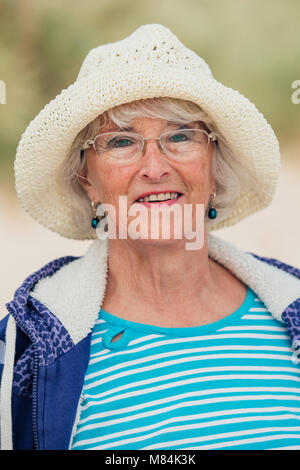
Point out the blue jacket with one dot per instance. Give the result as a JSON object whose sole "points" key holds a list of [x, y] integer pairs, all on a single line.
{"points": [[45, 339]]}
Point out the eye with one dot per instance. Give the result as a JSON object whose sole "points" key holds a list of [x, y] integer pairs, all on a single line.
{"points": [[118, 142], [179, 137]]}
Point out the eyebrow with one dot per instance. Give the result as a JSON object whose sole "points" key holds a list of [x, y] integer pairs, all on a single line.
{"points": [[114, 128]]}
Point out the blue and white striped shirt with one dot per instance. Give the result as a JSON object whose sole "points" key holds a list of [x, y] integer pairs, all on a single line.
{"points": [[231, 384]]}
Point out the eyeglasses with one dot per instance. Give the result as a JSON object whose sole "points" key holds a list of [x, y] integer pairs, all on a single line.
{"points": [[124, 147]]}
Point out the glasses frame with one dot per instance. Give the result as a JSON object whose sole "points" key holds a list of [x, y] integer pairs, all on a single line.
{"points": [[91, 142]]}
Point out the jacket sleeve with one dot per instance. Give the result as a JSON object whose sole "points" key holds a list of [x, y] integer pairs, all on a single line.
{"points": [[15, 408], [3, 325]]}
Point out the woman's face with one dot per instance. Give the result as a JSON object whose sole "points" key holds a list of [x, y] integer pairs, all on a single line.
{"points": [[152, 172]]}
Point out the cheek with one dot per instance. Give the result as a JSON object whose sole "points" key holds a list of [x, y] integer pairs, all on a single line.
{"points": [[199, 176], [112, 181]]}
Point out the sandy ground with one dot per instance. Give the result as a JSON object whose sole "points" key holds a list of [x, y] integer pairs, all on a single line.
{"points": [[25, 246]]}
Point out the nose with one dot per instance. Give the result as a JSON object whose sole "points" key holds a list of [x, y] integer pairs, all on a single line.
{"points": [[154, 165]]}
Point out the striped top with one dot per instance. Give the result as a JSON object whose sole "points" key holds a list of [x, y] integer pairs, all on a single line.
{"points": [[231, 384]]}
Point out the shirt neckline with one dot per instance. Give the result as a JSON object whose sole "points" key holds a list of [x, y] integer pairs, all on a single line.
{"points": [[181, 331]]}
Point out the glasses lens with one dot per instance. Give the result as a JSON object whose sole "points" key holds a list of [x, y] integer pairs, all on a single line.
{"points": [[121, 146], [185, 143]]}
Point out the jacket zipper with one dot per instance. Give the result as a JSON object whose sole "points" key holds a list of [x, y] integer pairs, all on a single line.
{"points": [[35, 379], [34, 399]]}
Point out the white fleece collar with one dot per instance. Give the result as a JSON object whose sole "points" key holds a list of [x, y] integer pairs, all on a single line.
{"points": [[74, 294]]}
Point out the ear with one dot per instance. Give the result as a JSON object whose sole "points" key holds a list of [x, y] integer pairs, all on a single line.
{"points": [[213, 183], [87, 184]]}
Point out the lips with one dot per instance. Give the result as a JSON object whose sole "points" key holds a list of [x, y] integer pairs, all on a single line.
{"points": [[158, 204], [159, 196]]}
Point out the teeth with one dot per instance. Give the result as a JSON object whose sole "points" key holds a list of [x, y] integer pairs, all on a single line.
{"points": [[159, 197]]}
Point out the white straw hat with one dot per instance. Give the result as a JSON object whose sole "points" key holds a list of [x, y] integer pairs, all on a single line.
{"points": [[149, 63]]}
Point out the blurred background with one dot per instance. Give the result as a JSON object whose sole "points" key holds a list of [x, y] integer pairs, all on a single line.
{"points": [[253, 47]]}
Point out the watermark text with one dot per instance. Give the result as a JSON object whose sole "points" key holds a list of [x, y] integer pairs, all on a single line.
{"points": [[296, 94], [157, 221], [2, 92]]}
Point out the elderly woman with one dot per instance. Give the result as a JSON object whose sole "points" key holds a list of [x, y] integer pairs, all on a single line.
{"points": [[162, 336]]}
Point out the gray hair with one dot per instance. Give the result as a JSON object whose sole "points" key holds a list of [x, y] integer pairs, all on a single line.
{"points": [[230, 176]]}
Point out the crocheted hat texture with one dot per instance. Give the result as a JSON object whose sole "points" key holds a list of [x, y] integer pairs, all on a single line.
{"points": [[149, 63]]}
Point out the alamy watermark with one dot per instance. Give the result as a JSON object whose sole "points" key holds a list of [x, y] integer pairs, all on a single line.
{"points": [[296, 94], [2, 92], [166, 222]]}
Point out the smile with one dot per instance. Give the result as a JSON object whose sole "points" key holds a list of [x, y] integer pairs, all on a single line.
{"points": [[152, 200], [159, 197]]}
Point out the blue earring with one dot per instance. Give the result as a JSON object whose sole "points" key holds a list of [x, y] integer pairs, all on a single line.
{"points": [[212, 213], [95, 219]]}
